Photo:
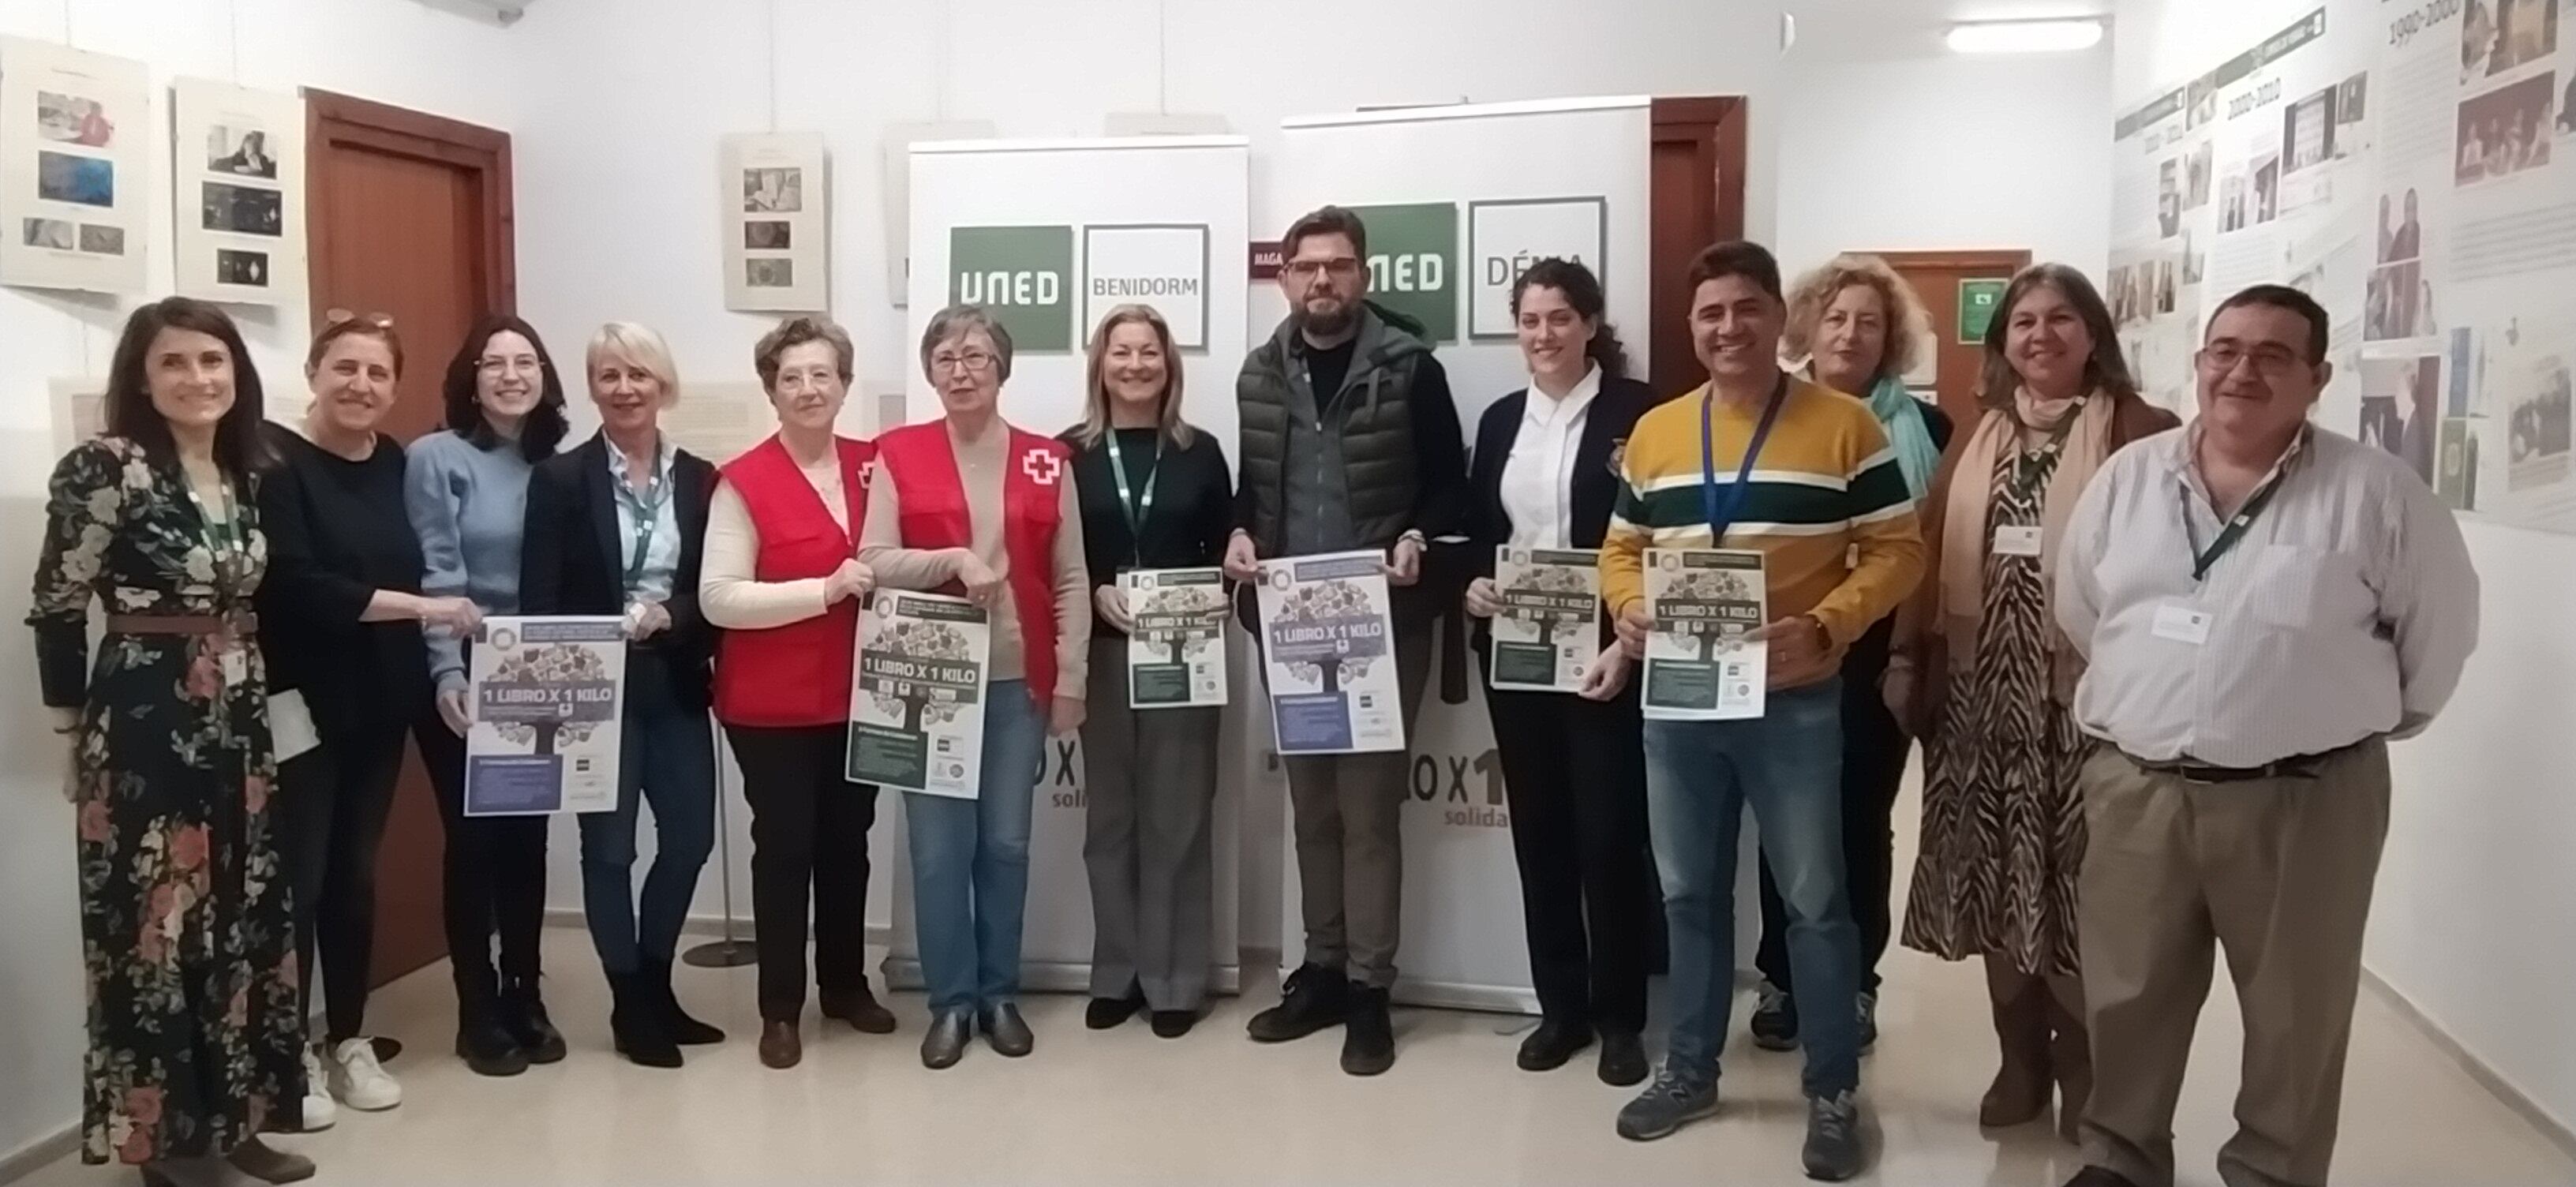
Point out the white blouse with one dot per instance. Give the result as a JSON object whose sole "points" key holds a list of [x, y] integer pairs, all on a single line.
{"points": [[1538, 477]]}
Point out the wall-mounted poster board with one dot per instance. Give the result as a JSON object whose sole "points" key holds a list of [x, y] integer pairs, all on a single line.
{"points": [[73, 168], [237, 163], [775, 198]]}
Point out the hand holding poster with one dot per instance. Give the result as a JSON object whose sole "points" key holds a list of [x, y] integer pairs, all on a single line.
{"points": [[1549, 632], [549, 697], [1328, 641], [1699, 665], [1176, 653], [917, 696]]}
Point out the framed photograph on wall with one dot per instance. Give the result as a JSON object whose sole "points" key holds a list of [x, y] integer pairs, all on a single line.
{"points": [[775, 220], [237, 158], [73, 127], [1505, 238]]}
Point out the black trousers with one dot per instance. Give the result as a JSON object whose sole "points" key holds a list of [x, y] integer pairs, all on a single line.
{"points": [[1874, 751], [495, 871], [809, 832], [1574, 777], [332, 804]]}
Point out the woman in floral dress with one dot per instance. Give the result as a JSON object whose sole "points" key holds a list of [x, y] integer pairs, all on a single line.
{"points": [[187, 933]]}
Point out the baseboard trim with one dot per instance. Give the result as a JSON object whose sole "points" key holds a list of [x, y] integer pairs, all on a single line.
{"points": [[2551, 1128], [41, 1153]]}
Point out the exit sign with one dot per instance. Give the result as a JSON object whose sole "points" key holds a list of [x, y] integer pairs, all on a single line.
{"points": [[1978, 302]]}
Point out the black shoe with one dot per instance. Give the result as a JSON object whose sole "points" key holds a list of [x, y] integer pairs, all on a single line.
{"points": [[1105, 1013], [2099, 1176], [637, 1024], [1623, 1059], [858, 1007], [484, 1044], [1368, 1043], [1775, 1019], [523, 1014], [1007, 1031], [1172, 1024], [1314, 997], [1554, 1042], [1833, 1151], [945, 1044], [655, 978]]}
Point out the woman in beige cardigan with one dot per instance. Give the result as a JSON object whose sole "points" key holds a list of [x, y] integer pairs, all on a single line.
{"points": [[1981, 673]]}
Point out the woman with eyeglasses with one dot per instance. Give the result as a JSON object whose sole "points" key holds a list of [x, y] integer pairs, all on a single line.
{"points": [[1982, 674], [341, 615], [188, 935], [467, 493], [971, 505]]}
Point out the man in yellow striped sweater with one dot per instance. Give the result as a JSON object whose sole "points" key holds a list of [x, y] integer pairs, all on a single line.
{"points": [[1822, 499]]}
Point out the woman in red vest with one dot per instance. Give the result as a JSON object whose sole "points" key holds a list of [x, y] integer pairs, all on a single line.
{"points": [[783, 581], [971, 505]]}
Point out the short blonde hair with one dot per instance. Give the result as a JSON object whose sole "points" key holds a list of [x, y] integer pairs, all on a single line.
{"points": [[638, 345], [1095, 407], [1907, 322]]}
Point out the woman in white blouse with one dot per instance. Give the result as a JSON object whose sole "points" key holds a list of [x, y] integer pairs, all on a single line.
{"points": [[783, 580]]}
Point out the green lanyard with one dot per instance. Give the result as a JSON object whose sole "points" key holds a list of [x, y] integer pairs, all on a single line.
{"points": [[2026, 471], [223, 536], [2204, 558], [1135, 509], [648, 517]]}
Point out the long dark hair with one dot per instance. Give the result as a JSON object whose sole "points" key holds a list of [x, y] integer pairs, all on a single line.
{"points": [[2105, 371], [240, 448], [546, 425], [1582, 291]]}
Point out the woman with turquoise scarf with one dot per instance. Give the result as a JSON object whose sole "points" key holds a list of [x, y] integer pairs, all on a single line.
{"points": [[1857, 325]]}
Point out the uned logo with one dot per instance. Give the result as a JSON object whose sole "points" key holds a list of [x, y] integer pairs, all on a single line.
{"points": [[1020, 275]]}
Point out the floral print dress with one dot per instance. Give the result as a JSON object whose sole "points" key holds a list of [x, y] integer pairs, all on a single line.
{"points": [[186, 930]]}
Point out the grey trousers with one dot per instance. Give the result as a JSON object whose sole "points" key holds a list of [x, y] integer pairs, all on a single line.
{"points": [[1150, 778], [1349, 811]]}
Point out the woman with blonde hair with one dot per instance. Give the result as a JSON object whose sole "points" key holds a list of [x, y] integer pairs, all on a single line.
{"points": [[617, 526], [1858, 326], [1155, 494], [1984, 676]]}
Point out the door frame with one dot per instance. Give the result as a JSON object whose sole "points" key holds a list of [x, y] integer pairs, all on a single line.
{"points": [[1711, 129], [2012, 261], [332, 118]]}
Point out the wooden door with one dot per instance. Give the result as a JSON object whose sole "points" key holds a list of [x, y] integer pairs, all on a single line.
{"points": [[1696, 198], [1943, 279], [410, 217]]}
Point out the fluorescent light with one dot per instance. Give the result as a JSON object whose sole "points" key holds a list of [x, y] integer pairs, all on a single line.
{"points": [[2024, 37]]}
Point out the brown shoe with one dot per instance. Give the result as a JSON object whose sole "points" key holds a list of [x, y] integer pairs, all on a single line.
{"points": [[2021, 1088], [781, 1046], [859, 1008], [268, 1164]]}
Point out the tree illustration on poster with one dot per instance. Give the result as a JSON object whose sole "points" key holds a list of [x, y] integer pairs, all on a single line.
{"points": [[1314, 633], [1175, 618], [1564, 604], [1413, 263], [1703, 632], [548, 696], [921, 703]]}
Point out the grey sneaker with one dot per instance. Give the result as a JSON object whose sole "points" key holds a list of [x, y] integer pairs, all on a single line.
{"points": [[1672, 1101], [1833, 1138], [1868, 1020]]}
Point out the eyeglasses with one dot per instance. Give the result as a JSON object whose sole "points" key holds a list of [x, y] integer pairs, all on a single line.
{"points": [[2271, 362], [1341, 268], [974, 361]]}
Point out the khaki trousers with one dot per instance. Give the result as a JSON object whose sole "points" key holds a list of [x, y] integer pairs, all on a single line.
{"points": [[2277, 874]]}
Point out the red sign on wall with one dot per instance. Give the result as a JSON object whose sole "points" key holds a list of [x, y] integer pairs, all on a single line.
{"points": [[1267, 258]]}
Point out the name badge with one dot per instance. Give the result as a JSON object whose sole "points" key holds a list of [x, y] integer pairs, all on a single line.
{"points": [[2182, 624], [236, 664], [2017, 541], [290, 725]]}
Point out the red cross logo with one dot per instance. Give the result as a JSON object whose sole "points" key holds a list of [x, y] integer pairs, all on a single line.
{"points": [[1042, 466]]}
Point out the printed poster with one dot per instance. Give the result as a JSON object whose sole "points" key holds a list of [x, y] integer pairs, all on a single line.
{"points": [[776, 223], [917, 695], [1549, 633], [1699, 665], [1176, 653], [1328, 643], [73, 131], [238, 162], [548, 696]]}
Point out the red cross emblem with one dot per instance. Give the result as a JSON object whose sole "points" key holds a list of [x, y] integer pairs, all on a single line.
{"points": [[1042, 466]]}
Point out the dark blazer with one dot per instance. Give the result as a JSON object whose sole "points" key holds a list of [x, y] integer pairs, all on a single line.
{"points": [[1606, 425], [572, 556]]}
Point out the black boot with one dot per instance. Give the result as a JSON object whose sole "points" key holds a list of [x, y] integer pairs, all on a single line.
{"points": [[523, 1014], [481, 1041], [636, 1022], [1314, 997], [1368, 1043], [655, 976]]}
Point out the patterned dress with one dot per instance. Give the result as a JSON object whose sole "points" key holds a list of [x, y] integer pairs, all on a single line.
{"points": [[186, 931], [2003, 830]]}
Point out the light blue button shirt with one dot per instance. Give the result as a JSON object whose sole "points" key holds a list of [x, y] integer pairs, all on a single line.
{"points": [[662, 549]]}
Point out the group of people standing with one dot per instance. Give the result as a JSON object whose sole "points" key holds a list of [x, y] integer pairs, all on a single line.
{"points": [[2153, 670]]}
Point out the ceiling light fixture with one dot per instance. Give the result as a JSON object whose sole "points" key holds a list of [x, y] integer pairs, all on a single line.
{"points": [[2024, 37]]}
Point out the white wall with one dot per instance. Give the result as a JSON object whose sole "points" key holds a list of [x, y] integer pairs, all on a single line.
{"points": [[399, 52], [2471, 923]]}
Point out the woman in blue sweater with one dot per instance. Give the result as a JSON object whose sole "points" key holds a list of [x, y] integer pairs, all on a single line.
{"points": [[467, 493]]}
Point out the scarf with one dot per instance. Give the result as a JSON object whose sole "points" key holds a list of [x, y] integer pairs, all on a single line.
{"points": [[1907, 430], [1960, 596]]}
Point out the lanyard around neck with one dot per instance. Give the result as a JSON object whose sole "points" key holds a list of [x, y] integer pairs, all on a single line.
{"points": [[1136, 508], [2027, 468], [648, 515], [1721, 512], [223, 537], [2204, 559]]}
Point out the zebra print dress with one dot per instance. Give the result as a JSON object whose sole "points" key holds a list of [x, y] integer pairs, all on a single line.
{"points": [[2003, 829]]}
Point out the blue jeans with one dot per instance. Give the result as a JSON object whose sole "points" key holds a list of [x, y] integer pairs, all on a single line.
{"points": [[666, 756], [1788, 766], [970, 863]]}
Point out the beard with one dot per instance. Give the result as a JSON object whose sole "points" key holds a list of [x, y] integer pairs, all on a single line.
{"points": [[1325, 323]]}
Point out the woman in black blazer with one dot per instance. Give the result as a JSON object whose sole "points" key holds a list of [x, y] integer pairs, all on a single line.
{"points": [[1574, 769], [619, 526]]}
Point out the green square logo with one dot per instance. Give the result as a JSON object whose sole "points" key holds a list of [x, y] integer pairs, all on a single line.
{"points": [[1978, 302], [1413, 263], [1023, 276]]}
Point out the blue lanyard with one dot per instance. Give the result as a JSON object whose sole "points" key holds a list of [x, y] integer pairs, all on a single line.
{"points": [[1721, 512], [648, 516]]}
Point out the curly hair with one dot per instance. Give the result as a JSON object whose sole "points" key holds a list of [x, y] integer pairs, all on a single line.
{"points": [[1907, 322]]}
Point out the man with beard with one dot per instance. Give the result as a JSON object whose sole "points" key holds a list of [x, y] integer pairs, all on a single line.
{"points": [[1350, 442]]}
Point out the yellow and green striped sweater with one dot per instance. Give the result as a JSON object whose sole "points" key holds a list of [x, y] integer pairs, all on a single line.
{"points": [[1826, 505]]}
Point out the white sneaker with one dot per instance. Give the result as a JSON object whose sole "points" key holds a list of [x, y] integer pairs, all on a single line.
{"points": [[359, 1080], [319, 1112]]}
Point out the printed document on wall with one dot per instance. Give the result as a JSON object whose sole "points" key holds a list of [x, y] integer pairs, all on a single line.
{"points": [[548, 697], [1328, 642]]}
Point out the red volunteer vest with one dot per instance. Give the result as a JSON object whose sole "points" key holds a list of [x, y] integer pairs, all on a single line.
{"points": [[798, 674], [923, 467]]}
